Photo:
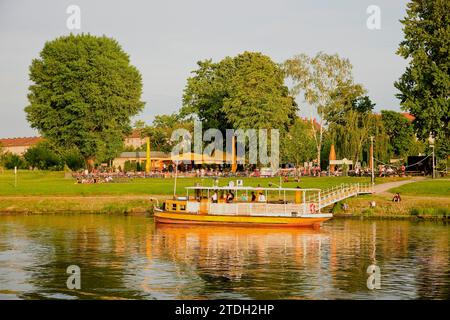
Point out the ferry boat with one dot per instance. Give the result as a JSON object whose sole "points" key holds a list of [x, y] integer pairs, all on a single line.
{"points": [[244, 206]]}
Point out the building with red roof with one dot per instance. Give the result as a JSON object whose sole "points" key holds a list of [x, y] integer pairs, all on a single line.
{"points": [[18, 145], [21, 144]]}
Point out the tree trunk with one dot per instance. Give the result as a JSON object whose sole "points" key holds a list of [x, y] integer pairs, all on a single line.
{"points": [[319, 146], [90, 162]]}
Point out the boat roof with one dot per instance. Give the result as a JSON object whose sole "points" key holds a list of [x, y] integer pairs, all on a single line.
{"points": [[249, 188]]}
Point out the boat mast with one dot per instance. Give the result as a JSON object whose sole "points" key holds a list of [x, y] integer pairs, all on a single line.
{"points": [[176, 175]]}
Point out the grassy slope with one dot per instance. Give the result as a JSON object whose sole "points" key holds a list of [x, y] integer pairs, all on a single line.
{"points": [[434, 188]]}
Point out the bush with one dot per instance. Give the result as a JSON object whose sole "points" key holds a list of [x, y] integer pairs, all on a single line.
{"points": [[73, 159], [42, 156], [9, 161]]}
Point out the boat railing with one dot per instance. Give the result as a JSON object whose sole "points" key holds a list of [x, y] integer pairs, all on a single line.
{"points": [[260, 209]]}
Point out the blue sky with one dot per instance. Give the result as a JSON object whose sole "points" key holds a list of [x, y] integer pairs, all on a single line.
{"points": [[165, 39]]}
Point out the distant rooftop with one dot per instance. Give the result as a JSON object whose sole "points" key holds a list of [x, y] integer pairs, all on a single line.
{"points": [[20, 141], [408, 116]]}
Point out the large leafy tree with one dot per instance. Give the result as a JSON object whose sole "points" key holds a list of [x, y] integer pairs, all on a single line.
{"points": [[242, 92], [425, 85], [160, 132], [298, 145], [326, 83], [402, 139], [83, 95]]}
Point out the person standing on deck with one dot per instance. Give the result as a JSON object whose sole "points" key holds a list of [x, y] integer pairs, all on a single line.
{"points": [[215, 197]]}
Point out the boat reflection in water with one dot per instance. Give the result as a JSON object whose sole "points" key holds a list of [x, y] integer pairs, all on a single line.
{"points": [[132, 258], [245, 257]]}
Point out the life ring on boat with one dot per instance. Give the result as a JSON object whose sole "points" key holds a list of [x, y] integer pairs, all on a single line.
{"points": [[312, 208]]}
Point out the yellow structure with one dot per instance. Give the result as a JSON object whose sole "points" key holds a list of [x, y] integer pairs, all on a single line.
{"points": [[157, 159], [233, 155], [219, 157], [148, 163]]}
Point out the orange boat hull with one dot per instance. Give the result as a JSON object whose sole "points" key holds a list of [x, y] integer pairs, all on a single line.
{"points": [[239, 220]]}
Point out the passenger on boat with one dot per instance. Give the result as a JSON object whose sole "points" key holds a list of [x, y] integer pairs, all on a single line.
{"points": [[253, 196], [262, 197], [230, 197], [215, 197]]}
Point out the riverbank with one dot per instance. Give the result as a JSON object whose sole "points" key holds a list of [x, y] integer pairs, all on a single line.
{"points": [[420, 199], [411, 207], [114, 205]]}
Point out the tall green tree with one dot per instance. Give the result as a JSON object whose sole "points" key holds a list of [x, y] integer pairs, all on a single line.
{"points": [[425, 85], [242, 92], [298, 145], [83, 95], [326, 83], [402, 140], [160, 132]]}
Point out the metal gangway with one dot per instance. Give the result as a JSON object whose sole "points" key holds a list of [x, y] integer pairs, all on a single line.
{"points": [[340, 192]]}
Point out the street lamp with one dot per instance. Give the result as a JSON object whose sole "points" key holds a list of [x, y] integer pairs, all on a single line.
{"points": [[372, 175], [431, 140]]}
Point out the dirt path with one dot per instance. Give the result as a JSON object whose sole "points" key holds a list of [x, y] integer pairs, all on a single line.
{"points": [[380, 188]]}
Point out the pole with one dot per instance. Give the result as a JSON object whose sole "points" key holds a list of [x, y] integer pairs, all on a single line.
{"points": [[433, 175], [175, 184], [148, 163], [15, 177], [279, 192], [372, 176]]}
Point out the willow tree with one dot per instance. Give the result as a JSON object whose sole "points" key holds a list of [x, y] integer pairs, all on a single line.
{"points": [[350, 127], [83, 95], [326, 84], [349, 137]]}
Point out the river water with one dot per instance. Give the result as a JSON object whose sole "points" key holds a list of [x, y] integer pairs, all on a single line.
{"points": [[130, 258]]}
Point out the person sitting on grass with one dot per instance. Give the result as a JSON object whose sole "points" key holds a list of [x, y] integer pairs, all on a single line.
{"points": [[397, 197]]}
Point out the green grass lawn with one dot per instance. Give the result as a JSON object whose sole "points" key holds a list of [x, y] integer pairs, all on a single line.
{"points": [[53, 183], [438, 187]]}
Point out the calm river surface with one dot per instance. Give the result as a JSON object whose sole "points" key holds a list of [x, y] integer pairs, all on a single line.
{"points": [[131, 258]]}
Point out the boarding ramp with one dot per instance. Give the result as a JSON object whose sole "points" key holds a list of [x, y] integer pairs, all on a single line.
{"points": [[338, 193]]}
